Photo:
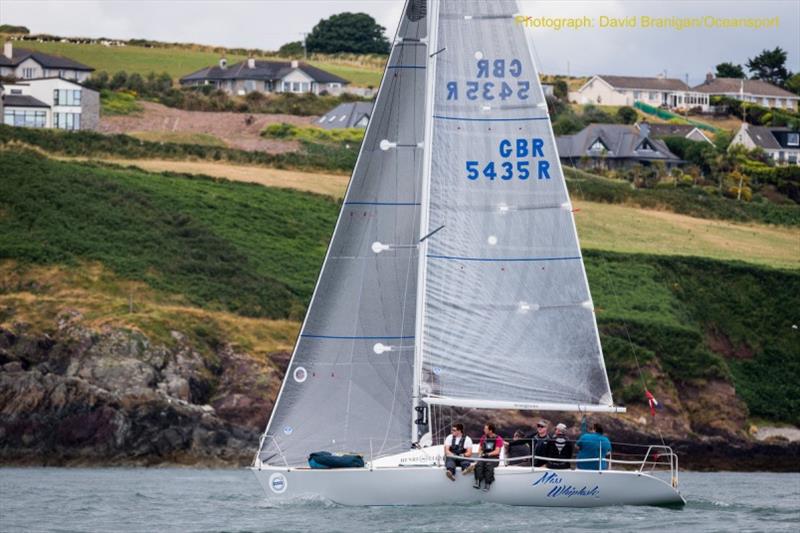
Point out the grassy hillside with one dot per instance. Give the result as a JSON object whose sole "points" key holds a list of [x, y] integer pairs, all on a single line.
{"points": [[170, 251], [242, 248], [179, 61], [694, 202]]}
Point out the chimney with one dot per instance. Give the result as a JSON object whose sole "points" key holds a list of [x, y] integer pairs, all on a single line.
{"points": [[709, 77], [251, 62], [295, 64], [8, 49], [223, 63], [660, 76]]}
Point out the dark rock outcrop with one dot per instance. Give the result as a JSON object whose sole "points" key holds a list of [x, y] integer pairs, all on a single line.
{"points": [[80, 396], [111, 397]]}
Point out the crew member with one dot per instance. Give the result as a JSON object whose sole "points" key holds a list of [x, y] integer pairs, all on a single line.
{"points": [[456, 446], [489, 448]]}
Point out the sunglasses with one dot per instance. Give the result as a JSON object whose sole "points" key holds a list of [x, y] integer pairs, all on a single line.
{"points": [[540, 426]]}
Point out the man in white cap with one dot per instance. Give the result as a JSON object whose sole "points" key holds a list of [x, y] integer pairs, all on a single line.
{"points": [[560, 448]]}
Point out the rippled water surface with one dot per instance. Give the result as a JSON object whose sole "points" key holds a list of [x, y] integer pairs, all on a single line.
{"points": [[109, 499]]}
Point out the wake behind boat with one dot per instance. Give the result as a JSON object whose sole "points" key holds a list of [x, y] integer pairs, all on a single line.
{"points": [[454, 279]]}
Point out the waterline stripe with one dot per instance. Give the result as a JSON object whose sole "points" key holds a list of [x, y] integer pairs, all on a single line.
{"points": [[407, 66], [503, 259]]}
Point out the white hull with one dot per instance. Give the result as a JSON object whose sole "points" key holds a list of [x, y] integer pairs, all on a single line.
{"points": [[428, 485]]}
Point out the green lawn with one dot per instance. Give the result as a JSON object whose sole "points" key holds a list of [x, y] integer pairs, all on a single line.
{"points": [[177, 62], [234, 249]]}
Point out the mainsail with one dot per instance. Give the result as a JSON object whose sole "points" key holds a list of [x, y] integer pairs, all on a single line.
{"points": [[348, 385], [508, 318]]}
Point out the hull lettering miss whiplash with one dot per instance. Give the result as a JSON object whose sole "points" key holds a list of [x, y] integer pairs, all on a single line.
{"points": [[432, 271]]}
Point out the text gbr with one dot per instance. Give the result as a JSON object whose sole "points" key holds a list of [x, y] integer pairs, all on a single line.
{"points": [[515, 161]]}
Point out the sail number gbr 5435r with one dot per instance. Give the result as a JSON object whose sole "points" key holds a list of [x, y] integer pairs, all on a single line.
{"points": [[515, 162]]}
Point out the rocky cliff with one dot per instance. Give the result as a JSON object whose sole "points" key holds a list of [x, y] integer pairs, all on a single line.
{"points": [[110, 396]]}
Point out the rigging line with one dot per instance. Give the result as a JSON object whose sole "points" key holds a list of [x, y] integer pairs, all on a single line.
{"points": [[611, 284]]}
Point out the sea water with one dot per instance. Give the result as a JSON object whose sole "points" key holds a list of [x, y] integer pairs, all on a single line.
{"points": [[183, 499]]}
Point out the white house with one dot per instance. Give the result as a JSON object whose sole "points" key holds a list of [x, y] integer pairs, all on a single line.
{"points": [[756, 91], [625, 90], [266, 77], [26, 64], [781, 144], [51, 103]]}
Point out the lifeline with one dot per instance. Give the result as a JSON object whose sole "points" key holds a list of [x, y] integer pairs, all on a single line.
{"points": [[681, 23]]}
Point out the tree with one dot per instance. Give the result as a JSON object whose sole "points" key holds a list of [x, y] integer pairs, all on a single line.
{"points": [[627, 115], [357, 33], [10, 28], [560, 89], [729, 70], [292, 49], [119, 80], [770, 65], [793, 84]]}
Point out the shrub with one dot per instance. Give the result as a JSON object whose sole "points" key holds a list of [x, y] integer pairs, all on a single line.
{"points": [[627, 115]]}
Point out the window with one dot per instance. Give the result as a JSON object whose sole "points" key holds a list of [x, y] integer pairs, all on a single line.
{"points": [[793, 159], [652, 96], [597, 147], [67, 121], [637, 95], [646, 146], [67, 97], [249, 85], [295, 86], [793, 139], [25, 118], [16, 91], [28, 73], [287, 86]]}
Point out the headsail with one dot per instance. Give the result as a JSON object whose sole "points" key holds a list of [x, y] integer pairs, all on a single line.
{"points": [[508, 318], [348, 385]]}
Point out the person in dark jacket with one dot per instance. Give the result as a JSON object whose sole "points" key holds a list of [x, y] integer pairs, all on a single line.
{"points": [[538, 441], [519, 447], [559, 447]]}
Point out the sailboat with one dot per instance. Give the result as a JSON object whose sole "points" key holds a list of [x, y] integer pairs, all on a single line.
{"points": [[454, 279]]}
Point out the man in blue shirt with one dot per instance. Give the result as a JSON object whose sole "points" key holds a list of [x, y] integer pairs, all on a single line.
{"points": [[592, 445]]}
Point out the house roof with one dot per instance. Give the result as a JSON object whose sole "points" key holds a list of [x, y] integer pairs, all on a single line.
{"points": [[345, 115], [621, 141], [734, 85], [22, 100], [46, 60], [764, 137], [652, 84], [670, 130], [263, 70]]}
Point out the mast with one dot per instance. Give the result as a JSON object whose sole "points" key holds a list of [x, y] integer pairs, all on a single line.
{"points": [[430, 85]]}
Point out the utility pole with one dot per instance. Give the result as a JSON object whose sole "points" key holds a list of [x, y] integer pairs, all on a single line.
{"points": [[305, 49], [686, 101]]}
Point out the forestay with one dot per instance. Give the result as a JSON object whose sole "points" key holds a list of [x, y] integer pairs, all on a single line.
{"points": [[508, 318], [348, 385]]}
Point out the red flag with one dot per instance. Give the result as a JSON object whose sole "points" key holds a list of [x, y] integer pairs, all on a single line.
{"points": [[651, 400]]}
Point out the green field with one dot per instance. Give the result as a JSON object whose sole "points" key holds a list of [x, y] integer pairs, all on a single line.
{"points": [[239, 250], [176, 61]]}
